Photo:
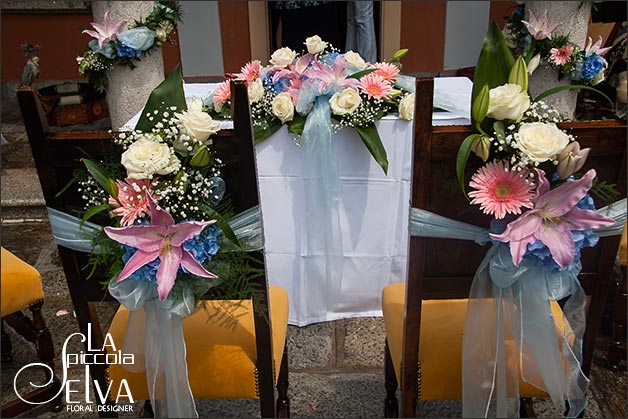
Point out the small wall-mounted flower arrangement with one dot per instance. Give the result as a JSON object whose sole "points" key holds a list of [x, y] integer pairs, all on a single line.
{"points": [[112, 46], [536, 41]]}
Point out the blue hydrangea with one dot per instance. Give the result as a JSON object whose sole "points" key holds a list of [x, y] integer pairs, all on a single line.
{"points": [[205, 245], [125, 51], [202, 246], [329, 58], [593, 65], [582, 239]]}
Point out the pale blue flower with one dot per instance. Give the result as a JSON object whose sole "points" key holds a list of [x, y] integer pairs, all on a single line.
{"points": [[139, 39], [107, 49]]}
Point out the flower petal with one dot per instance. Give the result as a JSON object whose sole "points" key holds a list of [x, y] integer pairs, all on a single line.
{"points": [[579, 219], [192, 265], [187, 230], [157, 215], [559, 201], [169, 261], [139, 259], [145, 237], [559, 240], [519, 234]]}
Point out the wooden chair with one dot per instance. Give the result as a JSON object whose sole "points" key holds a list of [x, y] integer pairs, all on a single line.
{"points": [[258, 344], [617, 348], [429, 307], [21, 289]]}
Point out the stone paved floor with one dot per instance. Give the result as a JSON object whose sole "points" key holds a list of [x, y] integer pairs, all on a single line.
{"points": [[336, 368]]}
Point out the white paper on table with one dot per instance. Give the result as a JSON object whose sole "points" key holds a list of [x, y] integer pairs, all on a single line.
{"points": [[374, 222]]}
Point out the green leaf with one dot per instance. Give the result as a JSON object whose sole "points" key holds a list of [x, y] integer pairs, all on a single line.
{"points": [[500, 131], [480, 105], [262, 134], [102, 177], [559, 89], [297, 124], [461, 160], [494, 63], [361, 73], [201, 158], [222, 223], [519, 74], [95, 210], [370, 138], [397, 55], [168, 93]]}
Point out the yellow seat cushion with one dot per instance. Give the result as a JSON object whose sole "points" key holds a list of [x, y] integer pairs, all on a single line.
{"points": [[440, 350], [622, 248], [221, 359], [20, 285]]}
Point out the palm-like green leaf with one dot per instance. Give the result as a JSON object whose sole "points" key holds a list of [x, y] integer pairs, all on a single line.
{"points": [[370, 138], [170, 92], [494, 63], [559, 89], [461, 160]]}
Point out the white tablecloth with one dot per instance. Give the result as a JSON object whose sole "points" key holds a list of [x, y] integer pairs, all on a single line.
{"points": [[374, 212]]}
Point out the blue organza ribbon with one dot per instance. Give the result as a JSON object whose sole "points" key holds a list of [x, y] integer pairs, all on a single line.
{"points": [[509, 326], [322, 194]]}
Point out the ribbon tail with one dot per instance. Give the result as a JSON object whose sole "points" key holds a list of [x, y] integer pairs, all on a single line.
{"points": [[322, 190], [166, 366]]}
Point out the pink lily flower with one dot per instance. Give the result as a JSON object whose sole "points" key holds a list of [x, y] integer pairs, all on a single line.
{"points": [[332, 78], [540, 28], [552, 219], [161, 239], [107, 31]]}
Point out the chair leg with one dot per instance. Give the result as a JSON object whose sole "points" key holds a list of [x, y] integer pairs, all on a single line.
{"points": [[22, 325], [6, 347], [617, 347], [526, 408], [148, 410], [283, 401], [391, 404], [46, 351]]}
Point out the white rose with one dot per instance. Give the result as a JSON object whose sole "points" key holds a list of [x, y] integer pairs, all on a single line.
{"points": [[197, 124], [406, 107], [541, 142], [282, 57], [147, 157], [282, 107], [507, 102], [354, 61], [315, 44], [345, 102], [256, 90]]}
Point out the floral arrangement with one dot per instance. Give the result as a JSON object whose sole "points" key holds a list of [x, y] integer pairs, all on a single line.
{"points": [[112, 46], [161, 193], [357, 92], [536, 41], [529, 181]]}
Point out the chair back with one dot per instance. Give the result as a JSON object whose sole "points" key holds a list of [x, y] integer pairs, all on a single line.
{"points": [[57, 156], [444, 268]]}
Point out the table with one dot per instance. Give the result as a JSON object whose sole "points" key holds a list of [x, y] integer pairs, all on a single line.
{"points": [[374, 212]]}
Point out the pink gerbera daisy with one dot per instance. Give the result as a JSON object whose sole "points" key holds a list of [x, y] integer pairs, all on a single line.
{"points": [[501, 191], [222, 94], [560, 56], [132, 202], [387, 70], [250, 71], [375, 86]]}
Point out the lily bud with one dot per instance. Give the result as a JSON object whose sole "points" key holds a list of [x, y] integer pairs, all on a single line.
{"points": [[571, 159], [201, 158], [519, 74], [534, 63], [482, 147]]}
